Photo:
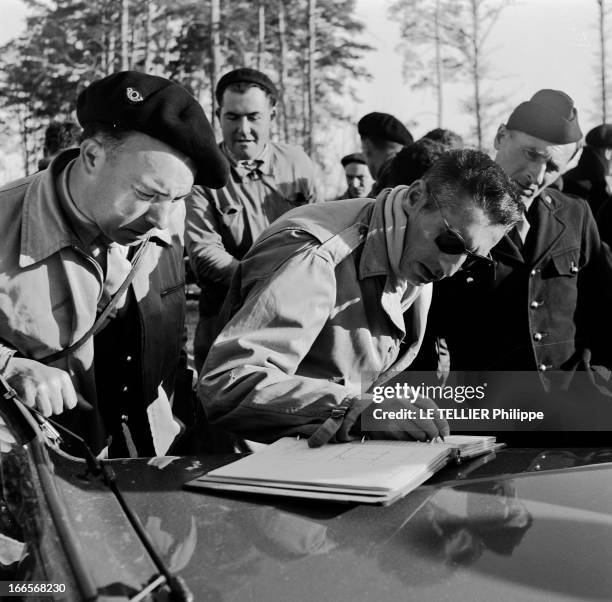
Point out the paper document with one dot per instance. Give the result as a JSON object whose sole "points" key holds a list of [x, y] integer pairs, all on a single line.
{"points": [[369, 471]]}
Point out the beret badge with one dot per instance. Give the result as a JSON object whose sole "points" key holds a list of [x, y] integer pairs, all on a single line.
{"points": [[134, 95]]}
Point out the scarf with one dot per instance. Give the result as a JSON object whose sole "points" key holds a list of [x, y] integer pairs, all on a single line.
{"points": [[395, 224]]}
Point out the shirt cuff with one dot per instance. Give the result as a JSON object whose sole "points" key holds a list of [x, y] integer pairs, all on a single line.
{"points": [[336, 428]]}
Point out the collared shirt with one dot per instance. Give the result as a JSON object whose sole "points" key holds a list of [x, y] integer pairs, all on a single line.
{"points": [[222, 224], [251, 168]]}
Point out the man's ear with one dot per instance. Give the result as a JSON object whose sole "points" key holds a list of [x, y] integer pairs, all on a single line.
{"points": [[273, 113], [502, 132], [416, 196], [92, 155], [573, 162]]}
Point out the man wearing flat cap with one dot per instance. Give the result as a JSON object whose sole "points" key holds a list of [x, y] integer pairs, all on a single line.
{"points": [[266, 179], [590, 179], [91, 269], [382, 137], [357, 176], [545, 309]]}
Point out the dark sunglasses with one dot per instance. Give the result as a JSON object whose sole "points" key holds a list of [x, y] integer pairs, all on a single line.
{"points": [[451, 242]]}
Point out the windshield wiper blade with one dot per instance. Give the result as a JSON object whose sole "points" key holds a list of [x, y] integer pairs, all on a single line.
{"points": [[179, 592]]}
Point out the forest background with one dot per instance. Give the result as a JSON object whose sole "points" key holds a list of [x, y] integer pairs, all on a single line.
{"points": [[460, 64]]}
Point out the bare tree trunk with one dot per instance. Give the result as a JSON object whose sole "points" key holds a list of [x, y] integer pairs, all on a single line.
{"points": [[311, 86], [23, 131], [261, 35], [282, 35], [215, 10], [148, 54], [111, 52], [476, 71], [602, 57], [135, 38], [125, 13], [305, 97], [439, 79]]}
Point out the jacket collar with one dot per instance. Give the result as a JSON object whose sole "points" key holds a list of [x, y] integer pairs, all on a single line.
{"points": [[43, 212], [375, 257], [550, 227]]}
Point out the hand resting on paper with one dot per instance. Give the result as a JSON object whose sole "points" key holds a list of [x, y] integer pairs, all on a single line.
{"points": [[404, 420]]}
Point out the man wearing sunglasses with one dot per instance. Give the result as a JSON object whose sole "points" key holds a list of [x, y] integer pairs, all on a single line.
{"points": [[314, 318], [545, 309]]}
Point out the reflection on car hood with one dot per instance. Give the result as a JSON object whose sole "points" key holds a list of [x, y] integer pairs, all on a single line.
{"points": [[520, 525]]}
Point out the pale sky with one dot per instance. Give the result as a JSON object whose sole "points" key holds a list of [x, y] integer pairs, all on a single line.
{"points": [[535, 44]]}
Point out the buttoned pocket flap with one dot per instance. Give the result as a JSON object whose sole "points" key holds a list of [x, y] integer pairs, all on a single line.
{"points": [[566, 264]]}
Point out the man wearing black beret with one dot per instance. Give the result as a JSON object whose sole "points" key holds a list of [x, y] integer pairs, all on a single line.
{"points": [[545, 309], [590, 179], [382, 137], [266, 179], [91, 278], [357, 176]]}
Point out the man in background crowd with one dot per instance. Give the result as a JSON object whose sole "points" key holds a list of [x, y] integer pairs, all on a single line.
{"points": [[591, 178], [446, 137], [316, 312], [357, 176], [59, 136], [413, 161], [266, 180], [92, 299], [382, 137]]}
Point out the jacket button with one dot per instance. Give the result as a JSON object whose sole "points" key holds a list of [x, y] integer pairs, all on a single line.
{"points": [[533, 272], [535, 304], [124, 390], [538, 336], [544, 367], [128, 358]]}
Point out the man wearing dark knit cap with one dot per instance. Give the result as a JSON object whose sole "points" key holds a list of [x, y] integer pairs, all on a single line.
{"points": [[382, 137], [92, 298], [591, 179], [546, 307], [357, 176], [266, 180]]}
